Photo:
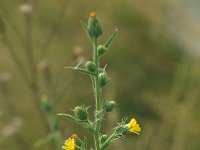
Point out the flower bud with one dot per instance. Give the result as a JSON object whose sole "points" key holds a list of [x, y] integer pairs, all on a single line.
{"points": [[94, 28], [55, 125], [81, 112], [103, 138], [90, 66], [52, 139], [109, 106], [101, 50], [46, 105], [103, 79]]}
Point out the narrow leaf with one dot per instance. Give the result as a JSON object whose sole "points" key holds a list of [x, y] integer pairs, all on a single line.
{"points": [[84, 26], [81, 70], [111, 38], [67, 116]]}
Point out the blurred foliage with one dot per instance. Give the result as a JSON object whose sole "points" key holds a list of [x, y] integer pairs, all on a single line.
{"points": [[153, 65]]}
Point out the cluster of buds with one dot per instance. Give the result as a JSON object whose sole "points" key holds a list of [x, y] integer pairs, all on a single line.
{"points": [[99, 79]]}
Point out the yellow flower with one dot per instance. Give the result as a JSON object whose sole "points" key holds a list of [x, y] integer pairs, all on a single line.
{"points": [[93, 14], [133, 126], [69, 144]]}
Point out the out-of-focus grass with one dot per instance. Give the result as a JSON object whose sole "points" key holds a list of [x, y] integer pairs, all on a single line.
{"points": [[152, 77]]}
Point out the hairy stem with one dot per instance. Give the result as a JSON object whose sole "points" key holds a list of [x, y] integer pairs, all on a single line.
{"points": [[97, 95]]}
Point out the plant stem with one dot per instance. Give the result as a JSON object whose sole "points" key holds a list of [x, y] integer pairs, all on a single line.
{"points": [[34, 85], [97, 95], [107, 141], [16, 59]]}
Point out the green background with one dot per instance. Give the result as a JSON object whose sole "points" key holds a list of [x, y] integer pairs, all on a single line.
{"points": [[153, 64]]}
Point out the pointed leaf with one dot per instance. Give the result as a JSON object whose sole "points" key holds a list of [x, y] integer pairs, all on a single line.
{"points": [[84, 26], [81, 70], [111, 38], [68, 116]]}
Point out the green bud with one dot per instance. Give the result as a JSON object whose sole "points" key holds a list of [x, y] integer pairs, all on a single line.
{"points": [[103, 79], [94, 28], [55, 125], [103, 138], [101, 50], [79, 142], [90, 66], [46, 105], [109, 106], [52, 139], [81, 112]]}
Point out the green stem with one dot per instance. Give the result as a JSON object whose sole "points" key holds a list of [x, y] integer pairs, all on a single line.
{"points": [[97, 87], [103, 146], [16, 59], [34, 85], [97, 95]]}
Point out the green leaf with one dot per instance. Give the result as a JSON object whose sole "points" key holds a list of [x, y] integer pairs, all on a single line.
{"points": [[111, 38], [84, 123], [68, 116], [84, 26], [81, 70]]}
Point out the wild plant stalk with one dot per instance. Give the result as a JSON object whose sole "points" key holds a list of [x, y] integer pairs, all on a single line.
{"points": [[26, 43], [99, 79], [30, 75]]}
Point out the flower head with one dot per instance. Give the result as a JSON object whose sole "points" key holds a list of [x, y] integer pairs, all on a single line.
{"points": [[94, 28], [69, 144], [133, 126]]}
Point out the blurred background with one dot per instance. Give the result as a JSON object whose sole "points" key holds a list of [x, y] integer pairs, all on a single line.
{"points": [[153, 65]]}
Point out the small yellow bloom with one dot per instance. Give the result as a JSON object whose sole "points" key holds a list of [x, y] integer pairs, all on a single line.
{"points": [[133, 126], [93, 14], [69, 144]]}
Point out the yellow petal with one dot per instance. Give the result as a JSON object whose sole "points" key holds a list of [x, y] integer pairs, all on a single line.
{"points": [[133, 121], [133, 126]]}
